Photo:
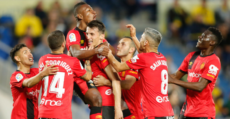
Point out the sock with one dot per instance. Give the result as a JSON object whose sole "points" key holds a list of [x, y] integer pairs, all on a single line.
{"points": [[95, 113], [127, 114]]}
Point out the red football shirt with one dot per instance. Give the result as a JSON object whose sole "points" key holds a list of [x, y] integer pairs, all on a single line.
{"points": [[25, 99], [153, 72], [57, 90], [98, 64], [77, 36], [200, 104], [131, 96]]}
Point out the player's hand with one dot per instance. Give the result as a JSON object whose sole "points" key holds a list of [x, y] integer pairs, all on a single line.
{"points": [[51, 70], [132, 30], [69, 53], [103, 50], [105, 44], [118, 114], [99, 80]]}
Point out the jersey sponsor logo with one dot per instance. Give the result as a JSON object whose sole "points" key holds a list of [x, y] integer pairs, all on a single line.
{"points": [[72, 37], [104, 60], [211, 75], [202, 65], [134, 59], [158, 63], [19, 77], [51, 102], [192, 74], [33, 93], [98, 117], [108, 92], [160, 99], [190, 63], [213, 69]]}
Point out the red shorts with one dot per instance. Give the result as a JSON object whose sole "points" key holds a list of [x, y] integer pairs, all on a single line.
{"points": [[107, 95]]}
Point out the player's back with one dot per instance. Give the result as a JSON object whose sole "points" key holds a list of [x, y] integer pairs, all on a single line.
{"points": [[57, 90], [154, 80]]}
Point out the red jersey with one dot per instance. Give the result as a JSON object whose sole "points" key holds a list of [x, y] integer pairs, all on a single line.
{"points": [[153, 72], [25, 99], [98, 64], [77, 36], [132, 96], [57, 90], [200, 104]]}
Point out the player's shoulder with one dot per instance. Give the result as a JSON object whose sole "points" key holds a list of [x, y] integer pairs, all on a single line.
{"points": [[214, 58], [34, 70], [18, 75], [70, 58]]}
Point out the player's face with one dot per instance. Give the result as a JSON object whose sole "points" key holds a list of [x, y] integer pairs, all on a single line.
{"points": [[88, 13], [93, 36], [142, 43], [25, 56], [123, 47], [204, 40]]}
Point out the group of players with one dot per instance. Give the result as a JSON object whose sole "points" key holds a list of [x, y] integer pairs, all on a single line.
{"points": [[140, 81]]}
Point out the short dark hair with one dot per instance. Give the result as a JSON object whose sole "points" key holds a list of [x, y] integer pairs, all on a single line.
{"points": [[76, 7], [97, 24], [55, 40], [217, 34], [132, 43], [15, 49]]}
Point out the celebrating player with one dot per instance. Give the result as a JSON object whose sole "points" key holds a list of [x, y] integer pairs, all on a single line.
{"points": [[24, 83], [203, 68], [153, 72], [76, 43], [57, 90], [130, 84], [100, 66]]}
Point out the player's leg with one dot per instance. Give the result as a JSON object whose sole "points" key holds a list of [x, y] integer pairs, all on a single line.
{"points": [[108, 112]]}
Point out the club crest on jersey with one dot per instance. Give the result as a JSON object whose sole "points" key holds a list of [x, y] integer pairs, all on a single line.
{"points": [[123, 74], [202, 65], [190, 63], [213, 69], [19, 77], [133, 117], [98, 117], [72, 37], [134, 59], [82, 42]]}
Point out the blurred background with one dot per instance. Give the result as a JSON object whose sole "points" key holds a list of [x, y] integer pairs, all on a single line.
{"points": [[180, 22]]}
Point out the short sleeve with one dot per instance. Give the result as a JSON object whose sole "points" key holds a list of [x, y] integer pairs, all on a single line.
{"points": [[137, 62], [78, 69], [184, 65], [17, 79], [132, 73], [72, 39], [211, 70]]}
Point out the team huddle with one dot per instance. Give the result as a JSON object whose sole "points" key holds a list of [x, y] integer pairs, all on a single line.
{"points": [[91, 70]]}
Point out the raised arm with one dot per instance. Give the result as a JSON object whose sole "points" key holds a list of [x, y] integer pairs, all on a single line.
{"points": [[88, 75], [134, 37], [30, 82]]}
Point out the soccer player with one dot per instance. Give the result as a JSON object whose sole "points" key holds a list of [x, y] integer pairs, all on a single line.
{"points": [[130, 83], [153, 72], [24, 83], [76, 43], [57, 90], [100, 66], [203, 68]]}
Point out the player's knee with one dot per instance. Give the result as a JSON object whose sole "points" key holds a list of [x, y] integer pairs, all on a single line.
{"points": [[96, 100]]}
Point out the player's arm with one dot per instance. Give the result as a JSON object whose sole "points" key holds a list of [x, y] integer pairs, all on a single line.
{"points": [[110, 47], [134, 37], [196, 86], [178, 75], [116, 90], [88, 75], [76, 51], [30, 82], [125, 84], [117, 65]]}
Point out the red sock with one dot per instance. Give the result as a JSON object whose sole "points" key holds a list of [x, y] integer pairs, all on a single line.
{"points": [[95, 113]]}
